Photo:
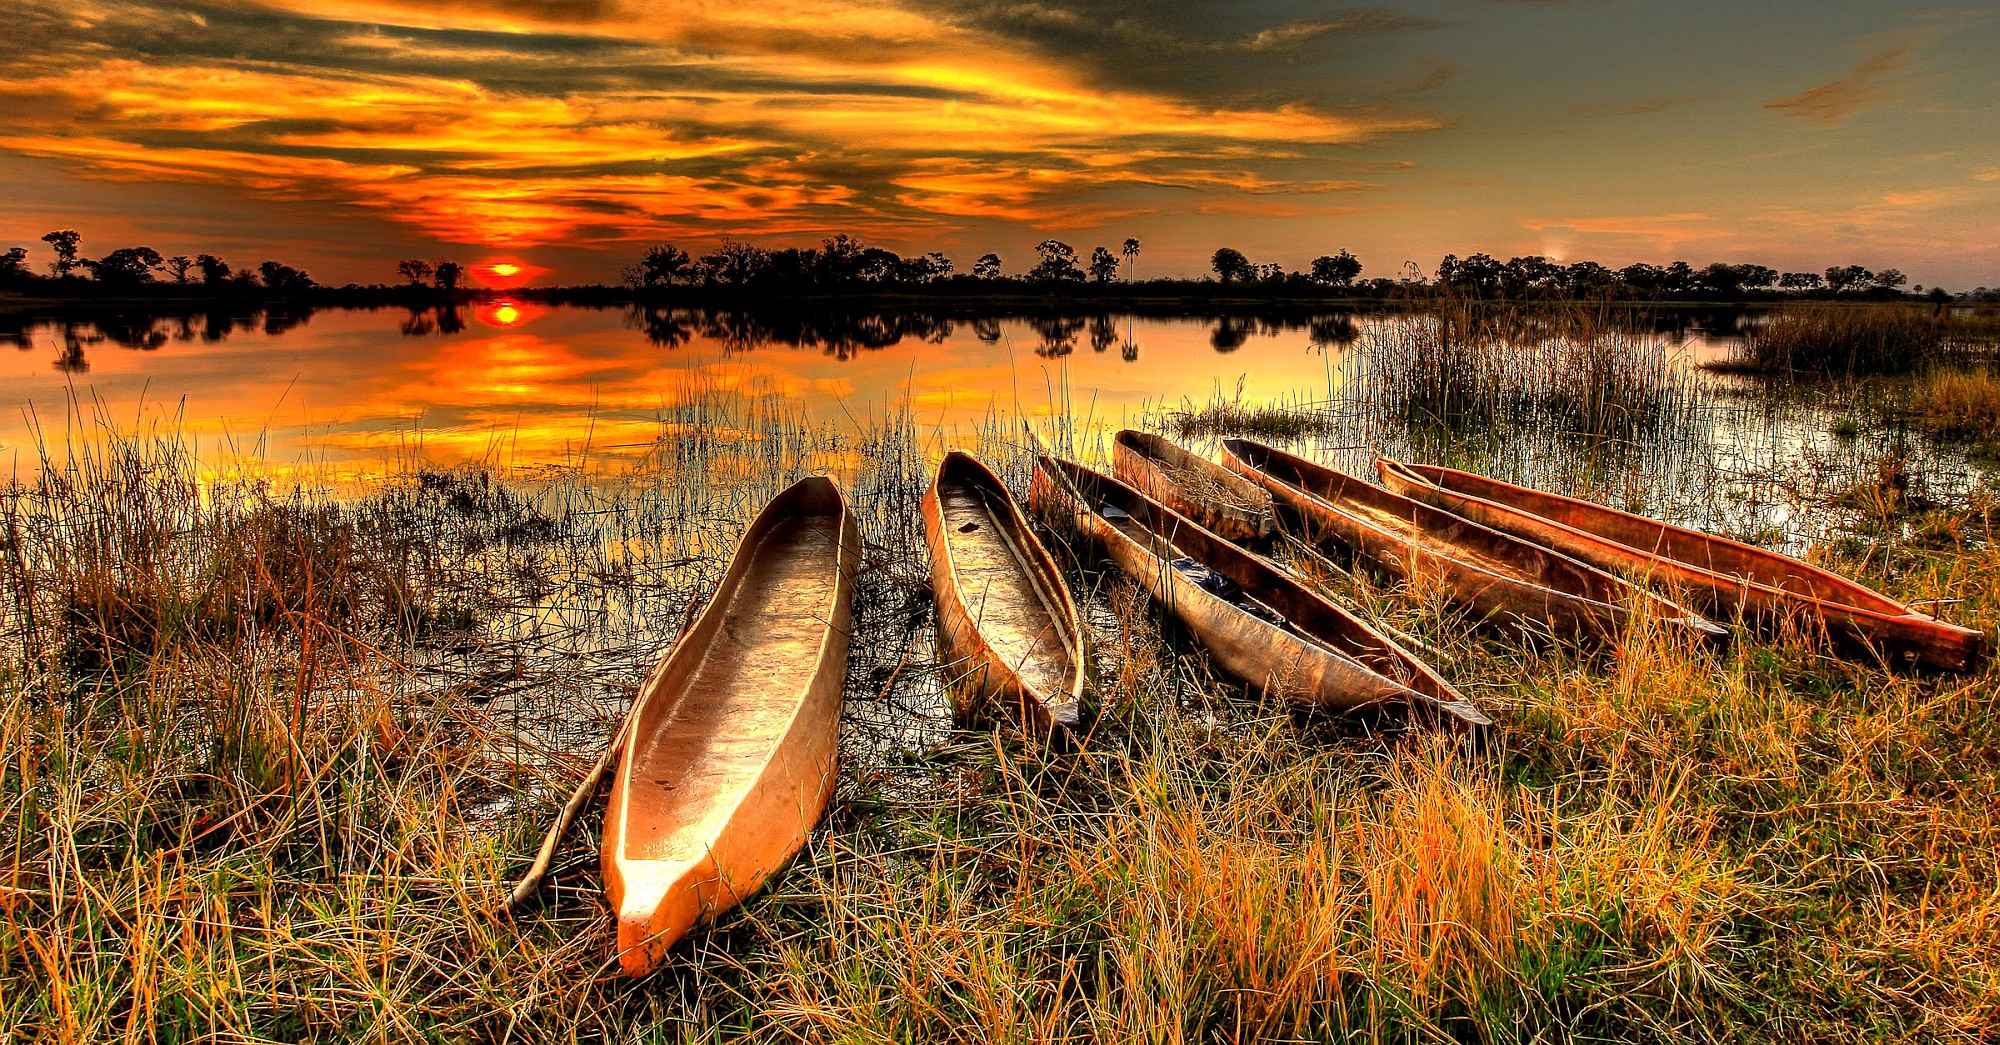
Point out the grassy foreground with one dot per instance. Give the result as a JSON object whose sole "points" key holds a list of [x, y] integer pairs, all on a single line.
{"points": [[266, 759]]}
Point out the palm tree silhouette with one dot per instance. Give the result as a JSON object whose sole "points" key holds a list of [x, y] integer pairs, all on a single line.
{"points": [[1131, 252]]}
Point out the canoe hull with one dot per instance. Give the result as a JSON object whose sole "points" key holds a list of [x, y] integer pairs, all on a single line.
{"points": [[724, 775], [972, 627], [1500, 578], [1147, 463], [1262, 656], [1733, 579]]}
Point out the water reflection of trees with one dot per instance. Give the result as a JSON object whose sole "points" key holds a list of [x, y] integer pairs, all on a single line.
{"points": [[433, 321], [842, 335], [1057, 334], [75, 336], [1103, 332], [1230, 332]]}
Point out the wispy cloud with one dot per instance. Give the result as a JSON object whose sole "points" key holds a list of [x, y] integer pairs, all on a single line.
{"points": [[1837, 99], [1641, 106]]}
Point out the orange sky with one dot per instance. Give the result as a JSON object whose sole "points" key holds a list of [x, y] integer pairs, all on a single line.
{"points": [[567, 135]]}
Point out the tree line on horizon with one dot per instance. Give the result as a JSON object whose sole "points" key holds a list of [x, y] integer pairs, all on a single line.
{"points": [[130, 268], [844, 263]]}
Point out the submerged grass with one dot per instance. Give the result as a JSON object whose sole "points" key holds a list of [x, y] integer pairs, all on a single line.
{"points": [[248, 795]]}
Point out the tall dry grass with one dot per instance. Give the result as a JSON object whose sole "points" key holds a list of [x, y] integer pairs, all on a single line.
{"points": [[247, 795]]}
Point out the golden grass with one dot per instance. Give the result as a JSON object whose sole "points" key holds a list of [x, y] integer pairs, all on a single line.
{"points": [[1959, 404], [246, 796]]}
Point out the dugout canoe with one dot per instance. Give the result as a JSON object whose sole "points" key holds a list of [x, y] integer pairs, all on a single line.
{"points": [[1499, 577], [1726, 577], [1007, 625], [1220, 500], [730, 758], [1261, 627]]}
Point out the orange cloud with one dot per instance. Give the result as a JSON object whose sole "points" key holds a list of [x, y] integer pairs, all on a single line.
{"points": [[765, 119], [1837, 99]]}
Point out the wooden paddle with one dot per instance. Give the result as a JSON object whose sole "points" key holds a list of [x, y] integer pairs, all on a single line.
{"points": [[531, 883]]}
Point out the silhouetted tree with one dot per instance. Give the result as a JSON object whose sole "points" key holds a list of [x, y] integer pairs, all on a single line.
{"points": [[1848, 277], [415, 270], [1103, 265], [64, 242], [924, 268], [840, 259], [1131, 252], [1890, 279], [1801, 281], [1230, 265], [14, 265], [1336, 270], [987, 267], [1058, 264], [126, 266], [1588, 277], [283, 279], [214, 271], [1533, 273], [662, 266], [445, 276], [734, 264], [877, 265], [1758, 277], [1643, 278], [1478, 275], [1677, 278], [179, 265]]}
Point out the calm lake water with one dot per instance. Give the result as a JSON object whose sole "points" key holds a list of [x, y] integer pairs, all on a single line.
{"points": [[516, 385]]}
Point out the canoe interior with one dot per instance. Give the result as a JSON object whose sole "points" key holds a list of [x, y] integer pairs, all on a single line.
{"points": [[1652, 537], [1193, 485], [1403, 523], [1165, 536], [1004, 584], [698, 752], [1729, 577]]}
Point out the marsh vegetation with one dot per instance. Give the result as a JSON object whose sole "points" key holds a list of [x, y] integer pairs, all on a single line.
{"points": [[269, 750]]}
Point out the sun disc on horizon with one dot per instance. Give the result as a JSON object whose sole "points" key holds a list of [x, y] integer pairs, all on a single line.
{"points": [[505, 268]]}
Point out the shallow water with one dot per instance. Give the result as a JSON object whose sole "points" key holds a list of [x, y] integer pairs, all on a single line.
{"points": [[519, 385]]}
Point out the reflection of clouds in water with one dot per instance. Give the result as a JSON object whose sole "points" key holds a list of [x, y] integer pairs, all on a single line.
{"points": [[349, 389]]}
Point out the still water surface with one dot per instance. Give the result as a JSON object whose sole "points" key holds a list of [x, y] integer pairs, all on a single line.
{"points": [[360, 392]]}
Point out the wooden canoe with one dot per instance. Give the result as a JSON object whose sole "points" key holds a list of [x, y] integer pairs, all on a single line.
{"points": [[730, 756], [1499, 577], [1006, 623], [1320, 655], [1220, 500], [1727, 577]]}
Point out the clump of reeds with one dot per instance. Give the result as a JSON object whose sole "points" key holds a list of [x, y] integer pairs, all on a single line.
{"points": [[1473, 366], [1827, 339], [1958, 403], [1235, 416]]}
